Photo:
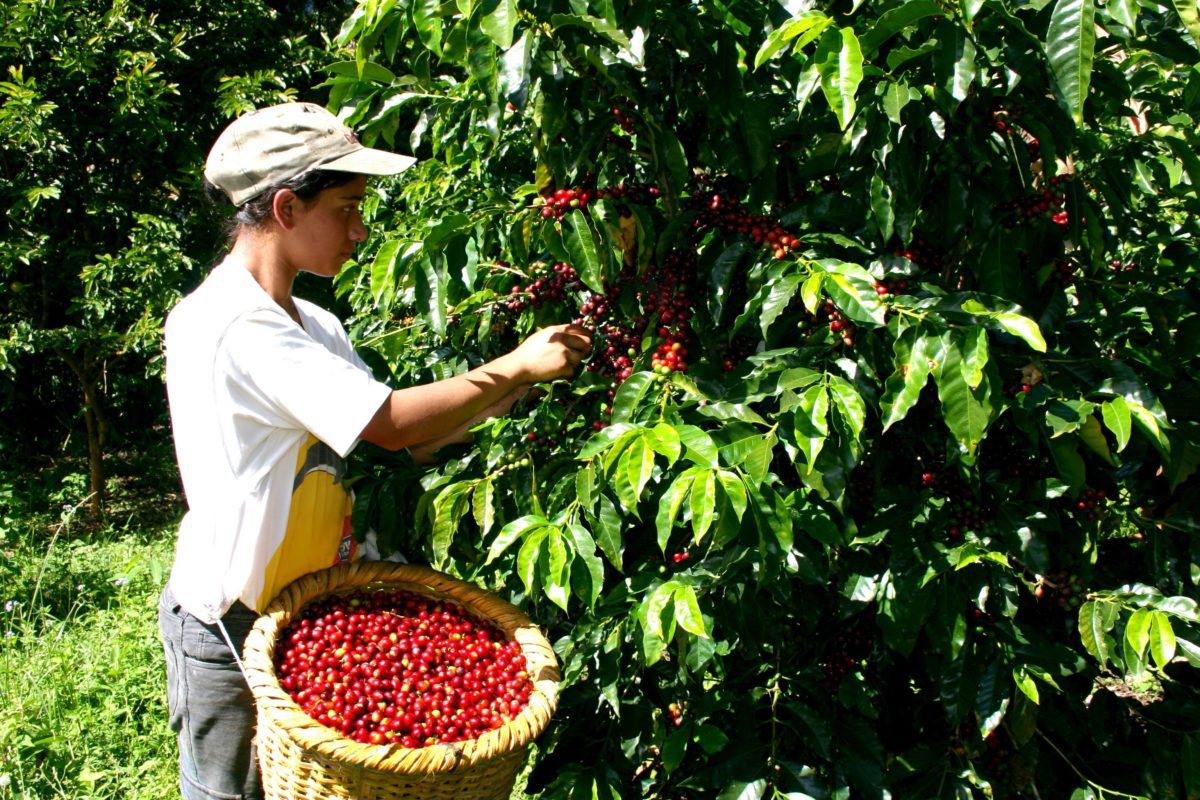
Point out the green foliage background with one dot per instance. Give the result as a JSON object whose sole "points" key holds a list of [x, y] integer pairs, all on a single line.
{"points": [[955, 558]]}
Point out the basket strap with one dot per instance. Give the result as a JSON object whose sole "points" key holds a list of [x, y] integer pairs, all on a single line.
{"points": [[236, 658]]}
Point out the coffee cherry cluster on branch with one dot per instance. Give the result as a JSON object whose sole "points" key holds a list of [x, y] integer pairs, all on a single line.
{"points": [[670, 356], [848, 648], [394, 667], [716, 210], [1090, 506], [966, 512], [738, 351], [1047, 201], [1063, 272], [560, 201], [549, 284], [662, 294], [622, 116], [923, 253], [1062, 589]]}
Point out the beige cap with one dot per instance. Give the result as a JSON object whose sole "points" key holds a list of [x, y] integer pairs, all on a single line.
{"points": [[266, 147]]}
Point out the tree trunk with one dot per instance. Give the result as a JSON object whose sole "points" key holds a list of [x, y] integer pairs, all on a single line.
{"points": [[87, 371], [93, 420]]}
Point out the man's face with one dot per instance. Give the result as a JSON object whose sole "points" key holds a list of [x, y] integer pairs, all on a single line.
{"points": [[329, 228]]}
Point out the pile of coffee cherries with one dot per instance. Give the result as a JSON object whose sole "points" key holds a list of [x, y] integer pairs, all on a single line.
{"points": [[395, 667]]}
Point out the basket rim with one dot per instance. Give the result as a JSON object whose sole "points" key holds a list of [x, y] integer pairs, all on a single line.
{"points": [[282, 712]]}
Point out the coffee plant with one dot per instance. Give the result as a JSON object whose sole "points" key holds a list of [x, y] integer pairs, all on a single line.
{"points": [[881, 478]]}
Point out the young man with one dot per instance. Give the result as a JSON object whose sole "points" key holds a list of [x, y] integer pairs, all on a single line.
{"points": [[267, 398]]}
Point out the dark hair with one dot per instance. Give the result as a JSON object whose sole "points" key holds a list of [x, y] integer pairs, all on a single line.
{"points": [[257, 210]]}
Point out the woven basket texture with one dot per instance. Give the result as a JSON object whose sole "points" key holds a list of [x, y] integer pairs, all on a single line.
{"points": [[302, 759]]}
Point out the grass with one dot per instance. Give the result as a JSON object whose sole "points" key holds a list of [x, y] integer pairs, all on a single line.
{"points": [[82, 688], [82, 684]]}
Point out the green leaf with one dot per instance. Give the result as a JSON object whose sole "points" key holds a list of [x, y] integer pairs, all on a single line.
{"points": [[849, 404], [839, 60], [588, 252], [555, 579], [585, 549], [700, 448], [670, 505], [881, 205], [1162, 639], [501, 23], [687, 612], [807, 25], [853, 291], [431, 292], [483, 506], [810, 292], [896, 20], [1070, 49], [656, 603], [383, 277], [513, 531], [1096, 619], [638, 464], [812, 424], [665, 441], [629, 396], [1018, 325], [992, 698], [739, 790], [1026, 684], [735, 491], [448, 509], [529, 556], [607, 524], [895, 99], [1187, 11], [779, 297], [428, 22], [967, 412], [915, 350], [1067, 416], [1117, 419], [975, 356], [1137, 631], [1092, 435], [703, 504]]}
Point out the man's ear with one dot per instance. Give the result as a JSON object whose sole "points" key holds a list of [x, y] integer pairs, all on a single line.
{"points": [[283, 208]]}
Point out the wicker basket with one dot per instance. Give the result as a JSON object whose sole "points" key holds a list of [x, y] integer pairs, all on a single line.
{"points": [[304, 760]]}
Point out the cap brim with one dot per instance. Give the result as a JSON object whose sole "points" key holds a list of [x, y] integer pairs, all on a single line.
{"points": [[369, 161]]}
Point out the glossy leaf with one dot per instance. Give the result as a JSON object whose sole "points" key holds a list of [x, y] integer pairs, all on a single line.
{"points": [[1117, 419], [687, 612], [967, 412], [1162, 639], [839, 61], [915, 353], [1070, 49], [587, 250], [500, 24], [703, 500], [1096, 619]]}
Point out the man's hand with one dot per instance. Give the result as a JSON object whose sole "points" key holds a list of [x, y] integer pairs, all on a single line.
{"points": [[553, 352]]}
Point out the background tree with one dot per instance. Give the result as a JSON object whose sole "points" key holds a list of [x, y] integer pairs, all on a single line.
{"points": [[882, 475], [106, 118]]}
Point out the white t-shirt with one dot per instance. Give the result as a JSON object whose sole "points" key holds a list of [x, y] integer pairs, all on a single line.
{"points": [[263, 413]]}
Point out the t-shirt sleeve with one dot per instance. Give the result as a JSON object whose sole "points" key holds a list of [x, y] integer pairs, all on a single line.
{"points": [[278, 375]]}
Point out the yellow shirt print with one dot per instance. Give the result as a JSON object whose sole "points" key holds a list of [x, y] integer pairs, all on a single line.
{"points": [[318, 527]]}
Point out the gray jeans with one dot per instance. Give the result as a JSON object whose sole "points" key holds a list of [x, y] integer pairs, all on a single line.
{"points": [[210, 705]]}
